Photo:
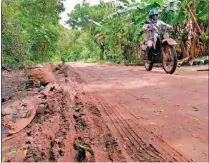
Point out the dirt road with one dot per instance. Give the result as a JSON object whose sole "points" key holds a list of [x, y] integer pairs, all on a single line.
{"points": [[104, 112], [151, 107]]}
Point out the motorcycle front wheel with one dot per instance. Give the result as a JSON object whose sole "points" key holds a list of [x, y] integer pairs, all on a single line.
{"points": [[169, 59], [147, 64]]}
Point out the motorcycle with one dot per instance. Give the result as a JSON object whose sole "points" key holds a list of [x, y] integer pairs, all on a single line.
{"points": [[163, 50]]}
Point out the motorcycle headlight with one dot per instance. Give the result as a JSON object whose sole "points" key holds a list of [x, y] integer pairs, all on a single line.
{"points": [[166, 35]]}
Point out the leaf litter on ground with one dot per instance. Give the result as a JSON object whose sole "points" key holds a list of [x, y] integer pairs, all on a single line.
{"points": [[157, 112], [195, 108], [142, 117]]}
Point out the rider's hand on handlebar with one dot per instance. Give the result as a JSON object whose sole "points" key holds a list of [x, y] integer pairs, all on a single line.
{"points": [[171, 28]]}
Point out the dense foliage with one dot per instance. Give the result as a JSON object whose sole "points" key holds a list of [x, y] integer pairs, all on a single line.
{"points": [[108, 31], [119, 34], [29, 30]]}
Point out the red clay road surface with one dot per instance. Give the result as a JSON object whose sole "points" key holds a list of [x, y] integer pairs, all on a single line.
{"points": [[114, 113], [154, 116]]}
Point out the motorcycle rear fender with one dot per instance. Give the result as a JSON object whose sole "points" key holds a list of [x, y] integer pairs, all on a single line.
{"points": [[169, 41]]}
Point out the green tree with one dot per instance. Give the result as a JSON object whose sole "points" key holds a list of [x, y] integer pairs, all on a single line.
{"points": [[15, 45], [29, 30]]}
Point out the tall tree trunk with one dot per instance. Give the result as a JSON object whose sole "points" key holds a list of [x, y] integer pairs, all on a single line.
{"points": [[192, 49], [185, 53]]}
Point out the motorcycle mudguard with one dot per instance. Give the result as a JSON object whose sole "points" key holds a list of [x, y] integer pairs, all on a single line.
{"points": [[149, 43], [169, 41]]}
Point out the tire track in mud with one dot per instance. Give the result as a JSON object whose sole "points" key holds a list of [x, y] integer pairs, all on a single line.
{"points": [[140, 150], [92, 135], [147, 133], [121, 134], [137, 146], [146, 152], [188, 130], [93, 75]]}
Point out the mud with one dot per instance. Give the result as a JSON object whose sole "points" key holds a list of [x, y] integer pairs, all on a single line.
{"points": [[151, 113], [103, 112]]}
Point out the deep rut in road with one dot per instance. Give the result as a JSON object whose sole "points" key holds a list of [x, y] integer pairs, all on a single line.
{"points": [[92, 140]]}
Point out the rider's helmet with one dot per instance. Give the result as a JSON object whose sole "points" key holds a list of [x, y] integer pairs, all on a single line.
{"points": [[152, 12]]}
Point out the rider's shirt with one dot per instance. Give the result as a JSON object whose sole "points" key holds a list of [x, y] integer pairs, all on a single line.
{"points": [[151, 35]]}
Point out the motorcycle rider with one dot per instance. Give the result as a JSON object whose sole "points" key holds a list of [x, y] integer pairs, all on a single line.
{"points": [[151, 35]]}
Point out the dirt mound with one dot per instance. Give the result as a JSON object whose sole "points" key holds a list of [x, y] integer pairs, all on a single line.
{"points": [[66, 127], [43, 138], [68, 72], [43, 74], [49, 128]]}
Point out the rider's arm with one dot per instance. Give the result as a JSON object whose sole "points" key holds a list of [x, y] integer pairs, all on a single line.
{"points": [[165, 25], [145, 27]]}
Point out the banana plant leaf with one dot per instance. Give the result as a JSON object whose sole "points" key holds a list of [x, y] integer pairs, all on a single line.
{"points": [[203, 15]]}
